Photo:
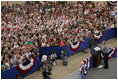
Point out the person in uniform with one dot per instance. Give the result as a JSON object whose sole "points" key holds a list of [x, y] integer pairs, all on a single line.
{"points": [[45, 71], [64, 57], [49, 64]]}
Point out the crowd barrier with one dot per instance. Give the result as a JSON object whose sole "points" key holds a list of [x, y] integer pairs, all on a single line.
{"points": [[108, 34], [71, 49]]}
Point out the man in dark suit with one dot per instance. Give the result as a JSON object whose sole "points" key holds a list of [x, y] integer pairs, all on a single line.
{"points": [[92, 42]]}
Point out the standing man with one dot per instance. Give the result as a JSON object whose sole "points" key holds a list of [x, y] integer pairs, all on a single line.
{"points": [[64, 57], [105, 50], [45, 71]]}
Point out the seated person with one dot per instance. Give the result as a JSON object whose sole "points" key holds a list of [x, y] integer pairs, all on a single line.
{"points": [[13, 61], [3, 66], [7, 64]]}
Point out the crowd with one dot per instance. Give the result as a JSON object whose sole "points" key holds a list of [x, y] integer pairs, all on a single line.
{"points": [[26, 27]]}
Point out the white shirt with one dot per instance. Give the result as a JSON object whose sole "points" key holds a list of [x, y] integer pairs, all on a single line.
{"points": [[12, 61], [7, 64], [22, 57], [15, 46], [27, 55], [15, 57], [44, 58], [43, 44], [53, 56], [1, 58], [20, 60], [112, 26], [86, 12]]}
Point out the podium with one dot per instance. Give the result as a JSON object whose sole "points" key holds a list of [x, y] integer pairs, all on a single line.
{"points": [[96, 54]]}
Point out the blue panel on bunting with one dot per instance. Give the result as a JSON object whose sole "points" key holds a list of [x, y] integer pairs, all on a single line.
{"points": [[74, 43], [27, 62]]}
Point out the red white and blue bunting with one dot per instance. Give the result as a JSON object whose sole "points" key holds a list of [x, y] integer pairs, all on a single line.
{"points": [[99, 36], [111, 53], [112, 3], [74, 46], [85, 65], [26, 67]]}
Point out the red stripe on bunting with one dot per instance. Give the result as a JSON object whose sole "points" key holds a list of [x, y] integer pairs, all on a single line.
{"points": [[99, 39], [112, 54]]}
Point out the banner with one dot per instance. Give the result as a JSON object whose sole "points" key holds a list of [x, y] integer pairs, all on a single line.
{"points": [[98, 36], [26, 67], [75, 46], [85, 65]]}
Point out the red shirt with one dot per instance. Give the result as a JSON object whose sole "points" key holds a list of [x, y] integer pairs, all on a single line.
{"points": [[92, 11], [2, 29], [54, 4], [61, 43], [68, 32], [51, 40], [78, 30], [6, 29], [67, 37]]}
